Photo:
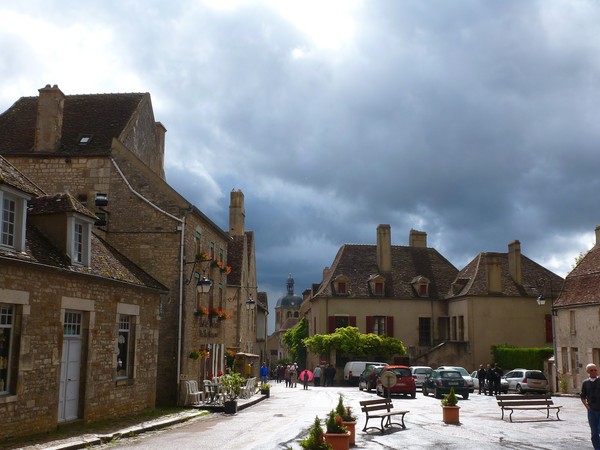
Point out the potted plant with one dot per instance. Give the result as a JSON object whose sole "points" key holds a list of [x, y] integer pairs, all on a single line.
{"points": [[450, 410], [348, 419], [232, 386], [265, 389], [315, 440], [337, 436]]}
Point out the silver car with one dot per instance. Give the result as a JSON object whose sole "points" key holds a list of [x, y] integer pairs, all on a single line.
{"points": [[420, 373], [503, 383], [464, 374], [523, 380]]}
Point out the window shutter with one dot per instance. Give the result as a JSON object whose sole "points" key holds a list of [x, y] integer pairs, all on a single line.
{"points": [[352, 321], [331, 325], [369, 324], [389, 326], [548, 318]]}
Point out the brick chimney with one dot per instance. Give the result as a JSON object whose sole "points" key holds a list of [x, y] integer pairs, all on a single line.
{"points": [[237, 214], [597, 234], [48, 127], [384, 248], [514, 261], [417, 239]]}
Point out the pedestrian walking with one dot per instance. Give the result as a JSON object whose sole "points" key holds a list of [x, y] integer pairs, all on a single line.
{"points": [[317, 375], [264, 373], [590, 397], [287, 375], [481, 374], [294, 375]]}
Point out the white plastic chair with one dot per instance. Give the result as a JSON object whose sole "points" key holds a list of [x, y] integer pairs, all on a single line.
{"points": [[193, 396]]}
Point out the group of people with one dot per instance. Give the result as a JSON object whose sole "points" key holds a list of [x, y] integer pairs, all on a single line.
{"points": [[490, 379], [322, 376]]}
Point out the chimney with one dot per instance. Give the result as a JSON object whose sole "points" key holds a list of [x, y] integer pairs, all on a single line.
{"points": [[514, 261], [160, 148], [384, 248], [237, 214], [597, 234], [417, 239], [48, 127]]}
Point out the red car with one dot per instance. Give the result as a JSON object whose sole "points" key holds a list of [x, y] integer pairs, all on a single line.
{"points": [[405, 383]]}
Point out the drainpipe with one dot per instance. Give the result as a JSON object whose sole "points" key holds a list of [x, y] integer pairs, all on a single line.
{"points": [[180, 320]]}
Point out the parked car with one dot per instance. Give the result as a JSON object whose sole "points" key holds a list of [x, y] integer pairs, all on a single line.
{"points": [[353, 369], [464, 374], [420, 373], [405, 383], [368, 378], [442, 380], [503, 383], [523, 380]]}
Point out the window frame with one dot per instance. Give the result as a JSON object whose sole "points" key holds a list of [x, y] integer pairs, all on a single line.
{"points": [[20, 217], [7, 322], [126, 330], [79, 250]]}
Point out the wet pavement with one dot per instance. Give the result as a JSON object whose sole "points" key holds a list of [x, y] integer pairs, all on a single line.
{"points": [[282, 420]]}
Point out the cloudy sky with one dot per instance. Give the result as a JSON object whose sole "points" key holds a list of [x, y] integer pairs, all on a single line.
{"points": [[475, 121]]}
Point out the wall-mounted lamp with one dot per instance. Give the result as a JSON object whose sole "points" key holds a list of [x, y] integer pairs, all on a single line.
{"points": [[203, 284], [250, 303]]}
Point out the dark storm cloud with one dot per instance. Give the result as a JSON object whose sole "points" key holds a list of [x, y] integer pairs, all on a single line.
{"points": [[474, 121]]}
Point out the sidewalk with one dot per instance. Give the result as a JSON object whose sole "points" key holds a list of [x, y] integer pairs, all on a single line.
{"points": [[88, 440]]}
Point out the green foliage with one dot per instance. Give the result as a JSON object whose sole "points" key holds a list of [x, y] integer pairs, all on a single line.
{"points": [[511, 357], [579, 258], [315, 441], [344, 411], [450, 399], [293, 339], [333, 424], [349, 341], [232, 384]]}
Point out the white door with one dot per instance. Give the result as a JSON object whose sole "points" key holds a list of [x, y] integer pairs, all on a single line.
{"points": [[69, 380]]}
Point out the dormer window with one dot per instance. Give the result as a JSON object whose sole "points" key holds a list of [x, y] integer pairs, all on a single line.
{"points": [[79, 239], [13, 220], [340, 285], [377, 285], [84, 139], [421, 286]]}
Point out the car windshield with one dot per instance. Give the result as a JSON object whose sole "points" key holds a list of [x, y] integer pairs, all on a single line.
{"points": [[401, 372]]}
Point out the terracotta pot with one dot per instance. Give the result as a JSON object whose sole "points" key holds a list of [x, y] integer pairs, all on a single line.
{"points": [[350, 426], [338, 441], [450, 414]]}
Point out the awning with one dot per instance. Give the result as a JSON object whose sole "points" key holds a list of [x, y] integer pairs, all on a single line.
{"points": [[249, 355]]}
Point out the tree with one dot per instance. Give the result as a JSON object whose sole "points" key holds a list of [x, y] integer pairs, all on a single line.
{"points": [[348, 340], [293, 339]]}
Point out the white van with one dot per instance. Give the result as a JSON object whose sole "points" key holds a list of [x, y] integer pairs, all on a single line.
{"points": [[353, 369]]}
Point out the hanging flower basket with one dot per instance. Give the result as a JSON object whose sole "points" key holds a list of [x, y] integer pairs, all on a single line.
{"points": [[202, 311], [224, 315], [202, 257], [213, 312]]}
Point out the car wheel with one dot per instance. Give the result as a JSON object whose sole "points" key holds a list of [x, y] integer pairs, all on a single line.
{"points": [[465, 395], [519, 389]]}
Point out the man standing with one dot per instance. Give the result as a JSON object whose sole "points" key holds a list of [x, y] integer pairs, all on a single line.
{"points": [[481, 378], [489, 376], [590, 397], [317, 375], [498, 372]]}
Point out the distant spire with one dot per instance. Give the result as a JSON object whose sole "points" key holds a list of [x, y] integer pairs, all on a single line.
{"points": [[290, 285]]}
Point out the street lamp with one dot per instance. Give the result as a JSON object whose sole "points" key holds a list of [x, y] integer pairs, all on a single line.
{"points": [[250, 303], [203, 285]]}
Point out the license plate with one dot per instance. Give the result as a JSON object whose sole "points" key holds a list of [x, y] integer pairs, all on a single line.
{"points": [[401, 384], [452, 384]]}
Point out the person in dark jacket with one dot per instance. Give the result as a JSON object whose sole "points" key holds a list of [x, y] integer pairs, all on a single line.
{"points": [[481, 375], [498, 372], [489, 376], [590, 397]]}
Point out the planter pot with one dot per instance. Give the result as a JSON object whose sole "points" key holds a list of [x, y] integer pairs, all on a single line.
{"points": [[338, 441], [350, 426], [450, 414], [230, 406], [266, 392]]}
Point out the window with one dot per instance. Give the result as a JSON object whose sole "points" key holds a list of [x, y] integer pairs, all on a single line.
{"points": [[6, 332], [341, 321], [221, 257], [453, 330], [12, 221], [72, 326], [424, 331], [377, 285], [79, 240], [212, 250], [84, 139], [124, 344], [378, 288], [443, 328], [461, 328], [421, 286], [340, 285], [379, 325]]}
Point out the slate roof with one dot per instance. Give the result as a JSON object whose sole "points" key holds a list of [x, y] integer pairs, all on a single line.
{"points": [[582, 285], [11, 176], [474, 279], [58, 203], [359, 262], [104, 116]]}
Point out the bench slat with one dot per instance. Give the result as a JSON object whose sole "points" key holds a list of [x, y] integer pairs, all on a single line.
{"points": [[526, 402], [384, 404]]}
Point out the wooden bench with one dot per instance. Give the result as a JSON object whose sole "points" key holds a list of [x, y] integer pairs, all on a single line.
{"points": [[515, 402], [381, 409]]}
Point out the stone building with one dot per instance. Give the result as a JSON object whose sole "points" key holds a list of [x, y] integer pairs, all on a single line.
{"points": [[287, 315], [577, 320], [79, 325], [442, 315], [107, 150]]}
